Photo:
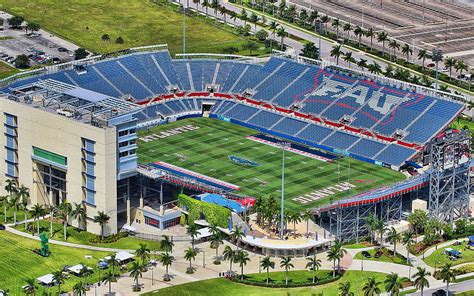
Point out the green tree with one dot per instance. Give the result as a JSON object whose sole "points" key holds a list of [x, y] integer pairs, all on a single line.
{"points": [[6, 205], [105, 37], [393, 44], [143, 252], [244, 16], [374, 68], [307, 215], [370, 33], [347, 28], [190, 255], [15, 204], [281, 32], [37, 211], [119, 40], [344, 289], [450, 63], [79, 289], [102, 219], [461, 66], [166, 244], [166, 260], [447, 275], [406, 49], [371, 287], [336, 24], [79, 212], [310, 51], [22, 61], [418, 219], [108, 278], [362, 63], [313, 264], [250, 46], [136, 272], [15, 21], [393, 237], [216, 240], [261, 35], [333, 255], [64, 211], [359, 32], [336, 52], [422, 55], [273, 26], [80, 53], [24, 196], [236, 235], [229, 254], [223, 11], [33, 27], [266, 264], [286, 263], [242, 258], [382, 37], [58, 278], [193, 232], [407, 240], [420, 279], [113, 263], [393, 284], [348, 58], [254, 19]]}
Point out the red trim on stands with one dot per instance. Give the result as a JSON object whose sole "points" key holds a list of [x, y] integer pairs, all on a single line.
{"points": [[180, 95], [221, 95], [352, 129], [266, 105], [302, 115], [389, 139], [253, 101], [168, 96], [199, 94], [406, 144], [283, 110], [331, 123]]}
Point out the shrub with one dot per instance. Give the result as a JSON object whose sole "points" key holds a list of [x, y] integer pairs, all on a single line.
{"points": [[250, 282], [213, 214], [107, 240]]}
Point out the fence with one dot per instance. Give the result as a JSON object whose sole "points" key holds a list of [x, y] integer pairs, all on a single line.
{"points": [[157, 237]]}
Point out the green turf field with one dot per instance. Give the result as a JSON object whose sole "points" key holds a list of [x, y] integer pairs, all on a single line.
{"points": [[138, 22], [207, 150]]}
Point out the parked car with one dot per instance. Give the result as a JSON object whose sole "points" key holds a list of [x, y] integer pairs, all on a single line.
{"points": [[378, 254], [2, 227], [366, 254], [439, 292], [62, 49], [431, 65]]}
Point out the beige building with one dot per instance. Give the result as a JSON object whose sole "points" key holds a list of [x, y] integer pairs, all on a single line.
{"points": [[67, 143]]}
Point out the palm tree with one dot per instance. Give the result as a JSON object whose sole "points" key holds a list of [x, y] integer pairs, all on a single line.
{"points": [[244, 16], [450, 63], [237, 234], [370, 33], [422, 55], [216, 240], [190, 255], [4, 199], [205, 4], [197, 3], [135, 272], [58, 278], [336, 52], [193, 232], [362, 63], [30, 287], [393, 285], [447, 275], [166, 259], [461, 66], [143, 252], [382, 37], [215, 6], [406, 49], [37, 211], [79, 289], [421, 281], [307, 216], [229, 254], [79, 212], [295, 218], [254, 19], [233, 16], [359, 32], [347, 28], [380, 227], [273, 26], [407, 240], [333, 256], [348, 58], [393, 44], [15, 203], [242, 258], [286, 263], [313, 17], [281, 32], [341, 252], [113, 262], [345, 289], [313, 264], [335, 24], [166, 244], [108, 279], [65, 210], [393, 237], [374, 68], [223, 11], [24, 196], [266, 264], [371, 287], [102, 218]]}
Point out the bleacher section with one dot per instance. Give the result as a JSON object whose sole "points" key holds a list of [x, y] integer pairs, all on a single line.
{"points": [[364, 115]]}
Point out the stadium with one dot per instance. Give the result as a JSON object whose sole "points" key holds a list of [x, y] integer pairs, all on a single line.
{"points": [[124, 133]]}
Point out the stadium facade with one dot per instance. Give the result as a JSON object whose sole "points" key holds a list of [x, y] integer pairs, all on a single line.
{"points": [[70, 130]]}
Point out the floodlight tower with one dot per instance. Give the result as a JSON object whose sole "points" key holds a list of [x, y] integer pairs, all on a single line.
{"points": [[283, 146]]}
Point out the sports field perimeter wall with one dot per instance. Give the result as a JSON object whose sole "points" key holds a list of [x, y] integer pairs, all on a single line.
{"points": [[294, 139]]}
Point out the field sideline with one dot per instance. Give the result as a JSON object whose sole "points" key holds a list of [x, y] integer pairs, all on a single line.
{"points": [[138, 22], [206, 150]]}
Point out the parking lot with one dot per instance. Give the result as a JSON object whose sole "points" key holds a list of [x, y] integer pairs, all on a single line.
{"points": [[41, 47]]}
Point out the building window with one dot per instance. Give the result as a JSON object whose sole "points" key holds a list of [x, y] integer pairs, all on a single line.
{"points": [[172, 222], [152, 222], [123, 133], [11, 137], [88, 164], [123, 144], [123, 154]]}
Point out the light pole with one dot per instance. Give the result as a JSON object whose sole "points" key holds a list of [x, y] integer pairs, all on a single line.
{"points": [[203, 258], [184, 31], [152, 280], [437, 57], [283, 146]]}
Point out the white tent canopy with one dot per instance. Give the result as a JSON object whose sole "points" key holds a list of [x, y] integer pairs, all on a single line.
{"points": [[46, 279], [203, 233], [76, 269], [123, 256]]}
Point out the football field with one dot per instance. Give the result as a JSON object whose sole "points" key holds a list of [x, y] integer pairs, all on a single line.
{"points": [[211, 146]]}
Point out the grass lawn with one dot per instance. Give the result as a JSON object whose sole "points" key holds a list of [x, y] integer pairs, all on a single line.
{"points": [[20, 216], [18, 262], [74, 235], [436, 258], [467, 293], [356, 246], [386, 257], [224, 287], [295, 277], [206, 150], [6, 70], [138, 22]]}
